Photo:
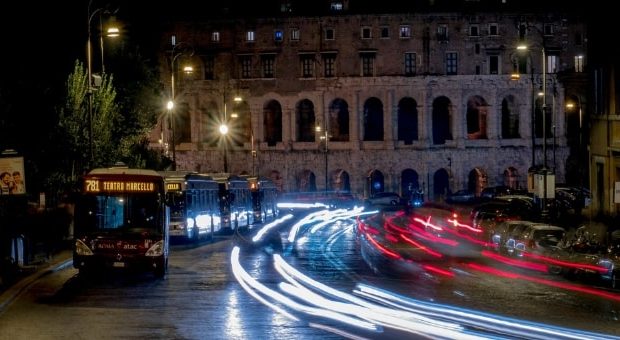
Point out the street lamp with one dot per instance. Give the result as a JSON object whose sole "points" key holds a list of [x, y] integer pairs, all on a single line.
{"points": [[170, 105], [112, 32], [224, 133], [225, 129], [544, 171], [571, 106], [324, 140]]}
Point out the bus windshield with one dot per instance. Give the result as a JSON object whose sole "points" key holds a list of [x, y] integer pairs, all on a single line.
{"points": [[176, 201], [109, 212]]}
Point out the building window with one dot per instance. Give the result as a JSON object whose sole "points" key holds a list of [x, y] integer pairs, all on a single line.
{"points": [[294, 34], [268, 61], [405, 31], [410, 59], [215, 36], [330, 34], [493, 30], [442, 33], [385, 32], [250, 36], [366, 33], [553, 61], [548, 29], [477, 69], [368, 64], [477, 48], [473, 31], [209, 67], [493, 64], [278, 35], [522, 31], [307, 65], [286, 7], [329, 63], [451, 63], [579, 63], [246, 66], [336, 6]]}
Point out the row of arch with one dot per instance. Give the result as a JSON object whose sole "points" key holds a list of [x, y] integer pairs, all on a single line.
{"points": [[409, 181], [372, 121]]}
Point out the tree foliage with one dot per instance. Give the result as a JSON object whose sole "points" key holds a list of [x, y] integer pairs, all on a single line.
{"points": [[120, 124]]}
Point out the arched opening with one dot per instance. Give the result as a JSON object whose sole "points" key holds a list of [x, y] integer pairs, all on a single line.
{"points": [[374, 183], [272, 122], [339, 120], [305, 121], [373, 120], [477, 180], [306, 181], [442, 125], [510, 118], [409, 183], [407, 120], [476, 118], [441, 184]]}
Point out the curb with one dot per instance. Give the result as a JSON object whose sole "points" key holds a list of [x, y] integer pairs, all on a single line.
{"points": [[61, 261]]}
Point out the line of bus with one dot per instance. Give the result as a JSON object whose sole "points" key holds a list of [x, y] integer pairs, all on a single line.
{"points": [[194, 201], [121, 221]]}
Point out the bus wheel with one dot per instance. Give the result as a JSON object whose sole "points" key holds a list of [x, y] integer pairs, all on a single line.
{"points": [[160, 270]]}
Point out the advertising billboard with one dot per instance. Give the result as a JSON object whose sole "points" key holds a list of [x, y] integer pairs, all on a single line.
{"points": [[12, 177]]}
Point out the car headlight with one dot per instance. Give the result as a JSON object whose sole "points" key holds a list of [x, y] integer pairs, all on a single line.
{"points": [[156, 250], [82, 249]]}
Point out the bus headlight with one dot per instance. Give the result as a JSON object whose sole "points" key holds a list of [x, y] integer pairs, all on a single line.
{"points": [[82, 249], [156, 250]]}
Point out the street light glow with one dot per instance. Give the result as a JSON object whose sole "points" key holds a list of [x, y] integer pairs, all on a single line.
{"points": [[223, 129], [170, 105], [113, 32]]}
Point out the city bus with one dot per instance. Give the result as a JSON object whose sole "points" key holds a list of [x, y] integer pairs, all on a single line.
{"points": [[194, 205], [235, 201], [264, 199], [121, 221]]}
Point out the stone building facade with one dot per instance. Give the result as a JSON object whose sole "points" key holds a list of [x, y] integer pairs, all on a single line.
{"points": [[367, 103]]}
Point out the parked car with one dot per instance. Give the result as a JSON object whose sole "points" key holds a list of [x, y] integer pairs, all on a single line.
{"points": [[570, 199], [384, 198], [594, 253], [500, 190], [461, 196], [505, 231], [487, 221], [539, 239]]}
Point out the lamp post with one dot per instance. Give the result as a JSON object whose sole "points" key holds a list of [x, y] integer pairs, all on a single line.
{"points": [[324, 138], [544, 170], [170, 107], [112, 32], [225, 129], [224, 133], [571, 105], [171, 103]]}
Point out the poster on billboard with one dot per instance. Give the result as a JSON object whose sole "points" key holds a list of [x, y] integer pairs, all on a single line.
{"points": [[12, 178]]}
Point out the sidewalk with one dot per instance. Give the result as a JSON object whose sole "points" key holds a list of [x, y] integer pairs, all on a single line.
{"points": [[29, 274]]}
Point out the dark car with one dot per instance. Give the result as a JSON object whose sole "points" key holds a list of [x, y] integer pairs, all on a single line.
{"points": [[461, 196], [384, 198], [500, 190]]}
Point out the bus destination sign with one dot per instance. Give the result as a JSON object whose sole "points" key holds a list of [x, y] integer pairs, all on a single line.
{"points": [[175, 186], [96, 185]]}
